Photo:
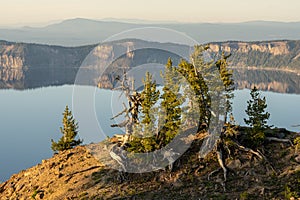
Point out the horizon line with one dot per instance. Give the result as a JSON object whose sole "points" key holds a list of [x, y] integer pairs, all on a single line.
{"points": [[132, 21]]}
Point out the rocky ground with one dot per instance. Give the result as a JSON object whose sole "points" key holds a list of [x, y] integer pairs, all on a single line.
{"points": [[77, 174]]}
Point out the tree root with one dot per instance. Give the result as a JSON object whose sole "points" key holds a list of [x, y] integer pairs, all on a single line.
{"points": [[222, 182], [275, 139], [268, 162], [223, 167], [221, 147], [213, 172], [241, 147], [222, 164], [115, 150]]}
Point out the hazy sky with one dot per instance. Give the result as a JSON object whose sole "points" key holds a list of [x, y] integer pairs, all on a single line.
{"points": [[36, 11]]}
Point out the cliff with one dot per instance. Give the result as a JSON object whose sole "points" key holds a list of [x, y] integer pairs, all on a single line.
{"points": [[25, 66], [268, 54], [32, 65], [272, 65]]}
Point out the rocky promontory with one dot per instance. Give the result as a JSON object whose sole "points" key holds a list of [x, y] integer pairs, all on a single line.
{"points": [[77, 174]]}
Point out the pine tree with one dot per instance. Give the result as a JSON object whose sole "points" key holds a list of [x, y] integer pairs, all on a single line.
{"points": [[226, 77], [170, 117], [150, 96], [256, 111], [143, 139], [69, 131], [197, 91], [257, 118]]}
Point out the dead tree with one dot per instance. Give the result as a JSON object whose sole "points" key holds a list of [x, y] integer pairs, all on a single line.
{"points": [[131, 112]]}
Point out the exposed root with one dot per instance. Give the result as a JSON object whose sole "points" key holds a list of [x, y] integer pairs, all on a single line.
{"points": [[114, 155], [197, 170], [275, 139], [273, 169], [222, 182], [222, 164], [241, 147], [213, 172], [262, 154]]}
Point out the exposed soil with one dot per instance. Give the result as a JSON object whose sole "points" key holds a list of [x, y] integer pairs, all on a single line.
{"points": [[76, 174]]}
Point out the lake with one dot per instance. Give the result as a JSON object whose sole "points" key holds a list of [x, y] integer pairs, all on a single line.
{"points": [[31, 118]]}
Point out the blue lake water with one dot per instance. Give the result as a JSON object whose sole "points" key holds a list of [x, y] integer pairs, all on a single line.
{"points": [[284, 109], [29, 119]]}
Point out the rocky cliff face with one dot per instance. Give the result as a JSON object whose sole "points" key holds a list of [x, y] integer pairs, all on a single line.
{"points": [[11, 62], [274, 54], [31, 65], [272, 65], [273, 47]]}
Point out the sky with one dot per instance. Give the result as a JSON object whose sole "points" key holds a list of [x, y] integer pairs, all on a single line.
{"points": [[30, 12]]}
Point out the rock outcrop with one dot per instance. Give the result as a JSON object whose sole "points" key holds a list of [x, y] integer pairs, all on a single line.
{"points": [[32, 65], [269, 54], [272, 47]]}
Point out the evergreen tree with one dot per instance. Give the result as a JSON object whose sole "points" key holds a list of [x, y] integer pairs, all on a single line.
{"points": [[213, 85], [197, 91], [143, 139], [170, 117], [257, 118], [69, 131], [226, 77], [256, 111], [150, 96]]}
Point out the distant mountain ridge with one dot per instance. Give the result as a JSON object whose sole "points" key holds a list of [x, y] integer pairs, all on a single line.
{"points": [[272, 65], [79, 31]]}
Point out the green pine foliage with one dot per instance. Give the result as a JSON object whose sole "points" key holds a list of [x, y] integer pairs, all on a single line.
{"points": [[172, 113], [228, 82], [256, 111], [257, 118], [297, 142], [69, 132], [218, 79], [143, 139], [150, 96], [170, 118], [142, 145], [196, 93]]}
